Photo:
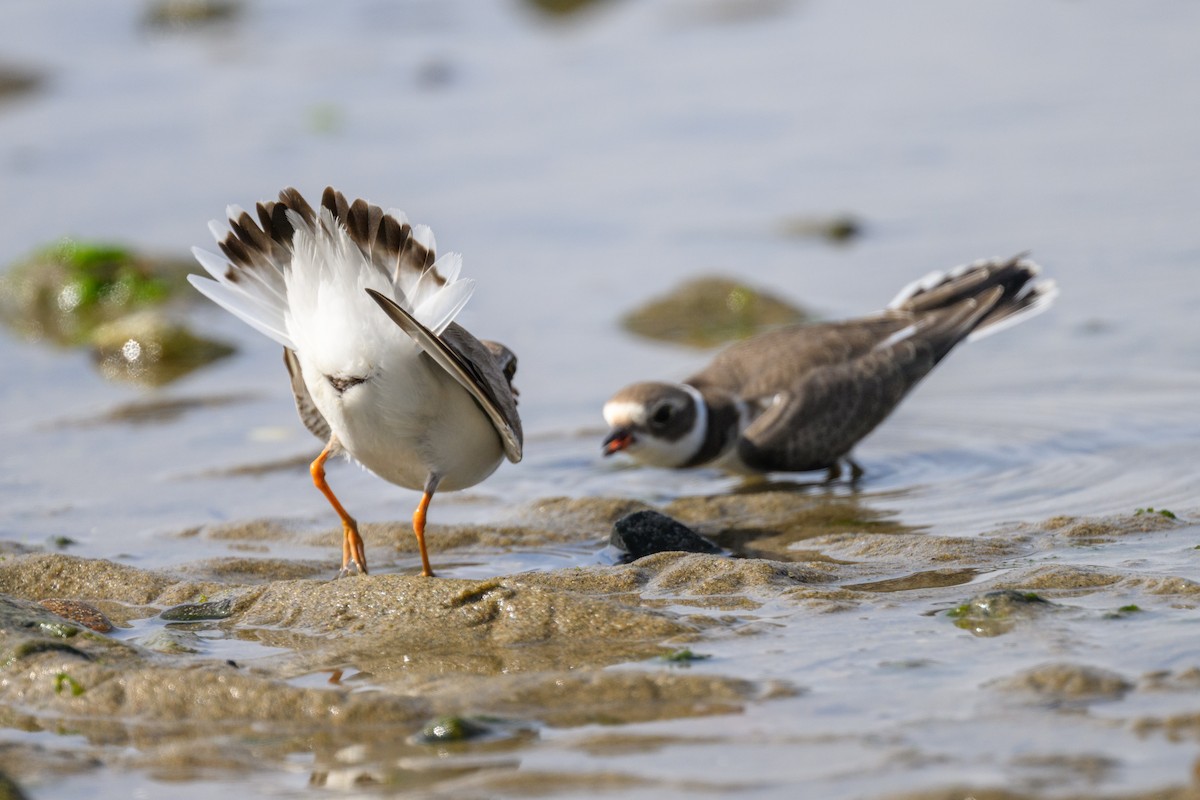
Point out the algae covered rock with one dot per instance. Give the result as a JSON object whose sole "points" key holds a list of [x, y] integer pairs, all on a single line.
{"points": [[148, 348], [706, 312], [63, 291], [997, 612], [110, 299]]}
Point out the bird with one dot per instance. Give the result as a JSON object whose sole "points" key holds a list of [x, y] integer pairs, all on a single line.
{"points": [[379, 369], [799, 398]]}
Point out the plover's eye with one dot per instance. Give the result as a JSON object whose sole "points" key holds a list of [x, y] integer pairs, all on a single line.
{"points": [[661, 415]]}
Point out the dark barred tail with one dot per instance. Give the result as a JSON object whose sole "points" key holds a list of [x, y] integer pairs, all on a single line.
{"points": [[1023, 294]]}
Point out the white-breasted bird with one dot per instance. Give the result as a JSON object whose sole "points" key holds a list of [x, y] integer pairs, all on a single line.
{"points": [[799, 398], [380, 371]]}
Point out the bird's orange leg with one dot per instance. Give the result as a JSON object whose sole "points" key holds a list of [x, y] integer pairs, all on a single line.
{"points": [[352, 543], [419, 530]]}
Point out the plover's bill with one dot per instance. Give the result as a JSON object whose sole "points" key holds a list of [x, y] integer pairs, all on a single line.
{"points": [[379, 368], [799, 398]]}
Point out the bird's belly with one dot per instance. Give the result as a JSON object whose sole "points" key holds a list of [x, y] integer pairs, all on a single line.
{"points": [[406, 430]]}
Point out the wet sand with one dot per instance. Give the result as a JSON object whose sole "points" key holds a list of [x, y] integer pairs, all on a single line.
{"points": [[347, 673]]}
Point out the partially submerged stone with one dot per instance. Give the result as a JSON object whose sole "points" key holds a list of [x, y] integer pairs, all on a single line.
{"points": [[149, 348], [705, 312], [997, 612], [643, 533], [102, 296], [196, 612], [457, 729], [63, 291]]}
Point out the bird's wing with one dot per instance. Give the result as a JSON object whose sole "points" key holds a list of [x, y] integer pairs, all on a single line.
{"points": [[309, 415], [775, 361], [819, 416], [472, 364], [813, 424]]}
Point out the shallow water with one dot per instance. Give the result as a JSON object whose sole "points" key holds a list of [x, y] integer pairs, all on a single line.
{"points": [[583, 165]]}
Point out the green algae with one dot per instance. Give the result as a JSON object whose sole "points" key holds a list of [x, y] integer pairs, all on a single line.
{"points": [[62, 292], [1162, 512], [64, 682], [1124, 612], [110, 299], [997, 612], [684, 656]]}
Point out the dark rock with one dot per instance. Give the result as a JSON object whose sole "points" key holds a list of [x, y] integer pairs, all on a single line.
{"points": [[195, 612], [643, 533]]}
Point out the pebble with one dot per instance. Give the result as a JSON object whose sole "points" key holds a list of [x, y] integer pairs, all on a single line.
{"points": [[644, 533]]}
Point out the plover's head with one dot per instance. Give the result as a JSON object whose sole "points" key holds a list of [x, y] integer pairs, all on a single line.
{"points": [[661, 424]]}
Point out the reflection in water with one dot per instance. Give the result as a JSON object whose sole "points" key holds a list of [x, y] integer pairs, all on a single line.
{"points": [[925, 579], [768, 518], [443, 749], [160, 410]]}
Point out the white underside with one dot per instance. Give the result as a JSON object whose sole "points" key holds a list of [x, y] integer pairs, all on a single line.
{"points": [[410, 420]]}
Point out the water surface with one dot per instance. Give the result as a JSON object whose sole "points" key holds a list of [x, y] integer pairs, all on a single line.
{"points": [[587, 163]]}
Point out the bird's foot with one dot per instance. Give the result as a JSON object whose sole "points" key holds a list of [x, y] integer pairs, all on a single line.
{"points": [[351, 568], [856, 470], [834, 471]]}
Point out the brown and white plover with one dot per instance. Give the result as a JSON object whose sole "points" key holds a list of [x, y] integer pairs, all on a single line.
{"points": [[799, 398]]}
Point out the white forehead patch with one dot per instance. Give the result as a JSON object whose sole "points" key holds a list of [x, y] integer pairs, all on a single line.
{"points": [[624, 412]]}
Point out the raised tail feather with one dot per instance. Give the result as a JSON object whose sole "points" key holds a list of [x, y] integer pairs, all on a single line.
{"points": [[1023, 294], [250, 276]]}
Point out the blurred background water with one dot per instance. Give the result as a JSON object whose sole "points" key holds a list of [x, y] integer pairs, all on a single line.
{"points": [[586, 160], [583, 162]]}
